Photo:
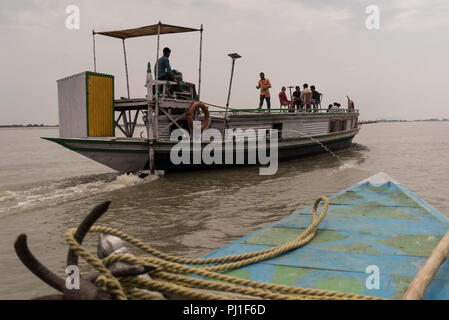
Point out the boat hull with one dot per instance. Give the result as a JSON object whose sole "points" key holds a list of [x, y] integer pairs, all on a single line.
{"points": [[132, 155], [286, 151], [129, 155]]}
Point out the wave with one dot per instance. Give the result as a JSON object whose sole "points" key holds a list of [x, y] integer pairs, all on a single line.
{"points": [[348, 165], [359, 147], [59, 191]]}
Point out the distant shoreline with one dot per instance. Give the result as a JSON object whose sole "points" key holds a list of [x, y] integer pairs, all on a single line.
{"points": [[419, 120], [28, 126], [139, 125]]}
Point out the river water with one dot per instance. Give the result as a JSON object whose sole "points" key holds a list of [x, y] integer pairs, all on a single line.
{"points": [[46, 189]]}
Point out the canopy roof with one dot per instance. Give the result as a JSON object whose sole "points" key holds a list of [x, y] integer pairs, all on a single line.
{"points": [[146, 31]]}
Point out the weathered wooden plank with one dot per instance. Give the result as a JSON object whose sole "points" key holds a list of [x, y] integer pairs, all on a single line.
{"points": [[379, 226], [390, 286], [305, 257]]}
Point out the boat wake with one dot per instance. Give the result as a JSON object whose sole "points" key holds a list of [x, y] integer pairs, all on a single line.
{"points": [[348, 165], [56, 192], [359, 147]]}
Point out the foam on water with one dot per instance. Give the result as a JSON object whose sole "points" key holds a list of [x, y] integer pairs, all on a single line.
{"points": [[68, 189], [348, 165]]}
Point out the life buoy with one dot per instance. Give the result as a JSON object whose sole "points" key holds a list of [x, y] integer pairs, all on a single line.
{"points": [[195, 107]]}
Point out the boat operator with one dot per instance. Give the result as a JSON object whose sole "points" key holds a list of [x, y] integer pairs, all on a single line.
{"points": [[163, 64], [165, 71]]}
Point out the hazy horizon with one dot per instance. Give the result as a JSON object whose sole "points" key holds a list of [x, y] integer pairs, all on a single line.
{"points": [[395, 72], [37, 125]]}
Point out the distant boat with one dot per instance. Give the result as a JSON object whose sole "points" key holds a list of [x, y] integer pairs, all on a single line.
{"points": [[375, 226], [89, 115]]}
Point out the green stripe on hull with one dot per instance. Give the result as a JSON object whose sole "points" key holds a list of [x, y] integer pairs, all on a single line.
{"points": [[92, 141]]}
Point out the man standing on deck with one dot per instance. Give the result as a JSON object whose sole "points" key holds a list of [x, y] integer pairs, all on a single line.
{"points": [[163, 64], [264, 85]]}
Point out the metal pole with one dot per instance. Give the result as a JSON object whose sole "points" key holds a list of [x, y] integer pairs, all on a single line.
{"points": [[201, 50], [290, 88], [155, 132], [230, 84], [95, 58], [157, 79], [233, 56], [126, 67]]}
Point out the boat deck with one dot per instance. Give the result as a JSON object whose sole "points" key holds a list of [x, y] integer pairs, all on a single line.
{"points": [[131, 104], [376, 222]]}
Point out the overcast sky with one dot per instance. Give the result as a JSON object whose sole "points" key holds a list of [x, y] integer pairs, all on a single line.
{"points": [[398, 71]]}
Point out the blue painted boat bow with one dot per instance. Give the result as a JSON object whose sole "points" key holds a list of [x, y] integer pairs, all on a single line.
{"points": [[374, 228]]}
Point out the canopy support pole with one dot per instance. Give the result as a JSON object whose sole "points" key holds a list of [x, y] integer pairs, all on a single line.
{"points": [[155, 127], [126, 68], [95, 58], [157, 79], [201, 51]]}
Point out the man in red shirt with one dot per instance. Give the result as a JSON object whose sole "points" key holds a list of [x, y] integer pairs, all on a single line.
{"points": [[283, 99]]}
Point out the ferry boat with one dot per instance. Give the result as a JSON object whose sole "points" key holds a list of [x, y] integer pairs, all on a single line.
{"points": [[90, 117]]}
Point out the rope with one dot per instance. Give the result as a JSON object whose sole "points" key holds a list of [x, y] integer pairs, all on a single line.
{"points": [[213, 105], [169, 275], [231, 109]]}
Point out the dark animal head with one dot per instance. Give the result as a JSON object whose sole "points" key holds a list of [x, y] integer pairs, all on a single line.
{"points": [[88, 290]]}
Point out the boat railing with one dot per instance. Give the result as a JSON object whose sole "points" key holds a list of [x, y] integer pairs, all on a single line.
{"points": [[285, 112]]}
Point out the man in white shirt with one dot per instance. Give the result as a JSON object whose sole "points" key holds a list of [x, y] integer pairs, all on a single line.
{"points": [[306, 96]]}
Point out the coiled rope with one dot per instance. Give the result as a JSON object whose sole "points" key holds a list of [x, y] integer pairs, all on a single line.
{"points": [[170, 273]]}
